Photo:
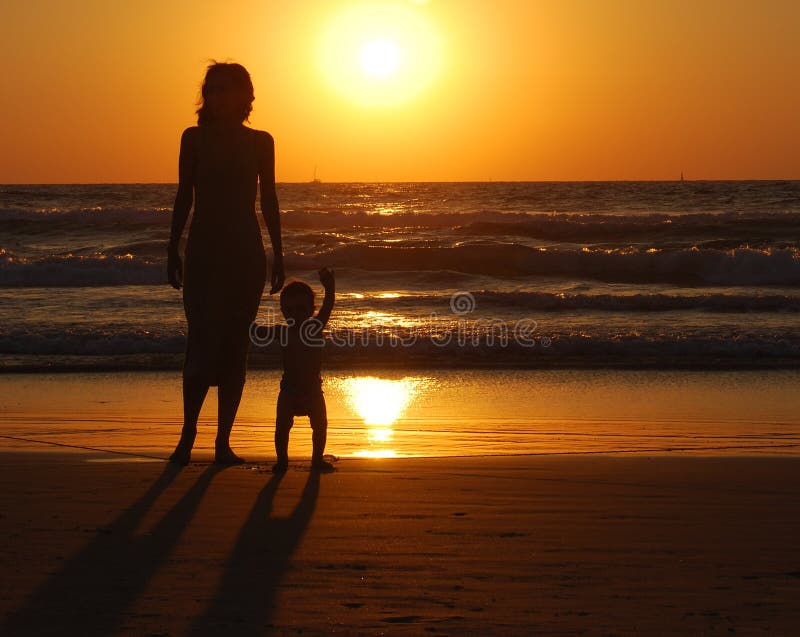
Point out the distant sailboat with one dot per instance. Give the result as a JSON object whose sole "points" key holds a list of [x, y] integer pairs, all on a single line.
{"points": [[315, 180], [681, 175]]}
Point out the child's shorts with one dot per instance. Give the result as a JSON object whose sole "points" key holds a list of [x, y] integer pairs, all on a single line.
{"points": [[302, 401]]}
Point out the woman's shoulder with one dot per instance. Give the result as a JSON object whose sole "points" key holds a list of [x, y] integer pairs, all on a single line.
{"points": [[263, 136], [189, 135]]}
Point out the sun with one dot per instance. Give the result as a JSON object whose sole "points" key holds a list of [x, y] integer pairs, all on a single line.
{"points": [[379, 54], [380, 58]]}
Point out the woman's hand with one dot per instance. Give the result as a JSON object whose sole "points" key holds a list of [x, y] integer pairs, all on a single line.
{"points": [[277, 277], [174, 269]]}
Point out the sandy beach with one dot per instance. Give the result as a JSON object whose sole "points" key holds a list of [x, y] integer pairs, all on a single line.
{"points": [[570, 544]]}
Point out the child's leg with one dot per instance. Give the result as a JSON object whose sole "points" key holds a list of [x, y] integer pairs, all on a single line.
{"points": [[283, 425], [318, 415]]}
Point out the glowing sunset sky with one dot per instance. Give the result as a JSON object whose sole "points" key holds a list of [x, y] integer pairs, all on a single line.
{"points": [[443, 90]]}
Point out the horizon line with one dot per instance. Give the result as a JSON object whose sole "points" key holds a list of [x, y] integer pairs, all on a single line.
{"points": [[433, 181]]}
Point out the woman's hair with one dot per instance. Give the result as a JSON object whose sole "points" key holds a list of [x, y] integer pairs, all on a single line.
{"points": [[240, 79]]}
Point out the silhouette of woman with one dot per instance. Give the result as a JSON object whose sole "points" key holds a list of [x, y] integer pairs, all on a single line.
{"points": [[221, 163]]}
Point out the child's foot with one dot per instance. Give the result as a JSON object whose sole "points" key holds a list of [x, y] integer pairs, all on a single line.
{"points": [[227, 457], [322, 466], [280, 467]]}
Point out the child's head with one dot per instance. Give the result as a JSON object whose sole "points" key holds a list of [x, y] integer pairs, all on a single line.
{"points": [[297, 301]]}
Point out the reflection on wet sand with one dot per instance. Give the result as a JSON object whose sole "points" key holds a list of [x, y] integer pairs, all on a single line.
{"points": [[379, 402]]}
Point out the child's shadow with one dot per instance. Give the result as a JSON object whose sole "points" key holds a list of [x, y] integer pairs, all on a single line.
{"points": [[245, 599], [94, 590]]}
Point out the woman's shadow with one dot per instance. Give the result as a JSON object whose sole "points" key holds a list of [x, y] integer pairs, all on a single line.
{"points": [[245, 600], [93, 592]]}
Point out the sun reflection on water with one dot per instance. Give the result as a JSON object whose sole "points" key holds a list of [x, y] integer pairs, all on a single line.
{"points": [[379, 402]]}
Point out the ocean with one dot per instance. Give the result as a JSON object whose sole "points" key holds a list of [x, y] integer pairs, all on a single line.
{"points": [[696, 274]]}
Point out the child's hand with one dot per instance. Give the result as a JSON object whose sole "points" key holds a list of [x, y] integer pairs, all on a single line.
{"points": [[326, 278]]}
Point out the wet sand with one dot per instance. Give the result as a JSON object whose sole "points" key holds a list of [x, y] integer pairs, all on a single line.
{"points": [[571, 544], [402, 413]]}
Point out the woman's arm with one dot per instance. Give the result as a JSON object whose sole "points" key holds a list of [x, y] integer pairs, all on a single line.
{"points": [[269, 207], [182, 207]]}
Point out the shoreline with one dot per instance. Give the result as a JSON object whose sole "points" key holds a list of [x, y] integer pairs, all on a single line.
{"points": [[174, 363], [203, 453], [493, 546]]}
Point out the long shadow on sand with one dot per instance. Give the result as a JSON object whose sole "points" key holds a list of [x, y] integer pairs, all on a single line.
{"points": [[245, 600], [90, 595]]}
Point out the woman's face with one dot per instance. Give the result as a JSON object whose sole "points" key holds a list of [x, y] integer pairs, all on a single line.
{"points": [[222, 98]]}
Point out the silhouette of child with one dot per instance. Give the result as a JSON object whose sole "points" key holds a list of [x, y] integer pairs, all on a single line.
{"points": [[301, 352]]}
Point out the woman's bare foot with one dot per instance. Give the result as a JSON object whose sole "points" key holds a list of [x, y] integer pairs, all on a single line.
{"points": [[183, 450], [181, 456], [226, 456]]}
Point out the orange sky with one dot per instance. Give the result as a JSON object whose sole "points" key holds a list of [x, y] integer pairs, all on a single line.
{"points": [[519, 89]]}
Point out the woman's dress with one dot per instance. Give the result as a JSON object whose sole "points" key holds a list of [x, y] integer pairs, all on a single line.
{"points": [[225, 265]]}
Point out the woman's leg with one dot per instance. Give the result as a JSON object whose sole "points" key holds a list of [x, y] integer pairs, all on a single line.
{"points": [[194, 393], [229, 396]]}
